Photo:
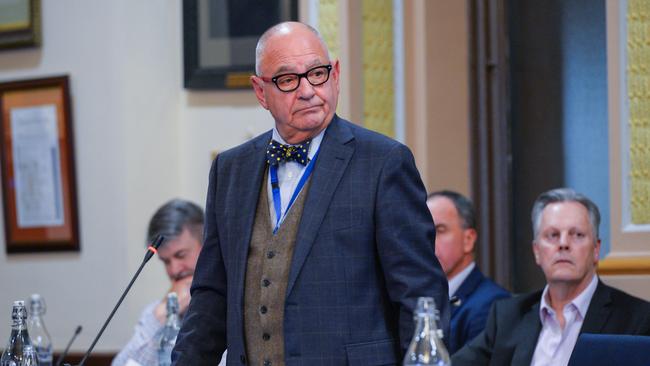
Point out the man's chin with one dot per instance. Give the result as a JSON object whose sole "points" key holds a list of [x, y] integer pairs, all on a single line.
{"points": [[565, 277], [183, 276], [309, 121]]}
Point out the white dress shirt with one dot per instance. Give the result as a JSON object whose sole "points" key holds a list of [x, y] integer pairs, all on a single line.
{"points": [[459, 278], [555, 344], [289, 175]]}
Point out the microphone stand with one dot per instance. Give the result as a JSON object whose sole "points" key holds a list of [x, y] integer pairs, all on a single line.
{"points": [[151, 250], [67, 348]]}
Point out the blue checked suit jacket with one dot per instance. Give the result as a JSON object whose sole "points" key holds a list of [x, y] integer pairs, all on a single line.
{"points": [[364, 253]]}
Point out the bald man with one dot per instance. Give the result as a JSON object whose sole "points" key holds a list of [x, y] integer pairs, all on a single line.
{"points": [[318, 240]]}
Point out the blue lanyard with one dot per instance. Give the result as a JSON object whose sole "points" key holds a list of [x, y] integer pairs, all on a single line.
{"points": [[275, 187]]}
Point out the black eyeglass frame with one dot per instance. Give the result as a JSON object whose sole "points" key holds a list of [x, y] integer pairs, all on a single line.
{"points": [[274, 79]]}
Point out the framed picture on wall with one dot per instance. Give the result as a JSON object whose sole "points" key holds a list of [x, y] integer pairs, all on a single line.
{"points": [[20, 23], [38, 175], [219, 38]]}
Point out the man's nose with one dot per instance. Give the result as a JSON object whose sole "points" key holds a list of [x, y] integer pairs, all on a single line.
{"points": [[175, 267], [305, 89], [564, 241]]}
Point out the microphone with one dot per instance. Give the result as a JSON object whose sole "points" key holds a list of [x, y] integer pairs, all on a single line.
{"points": [[67, 348], [151, 250]]}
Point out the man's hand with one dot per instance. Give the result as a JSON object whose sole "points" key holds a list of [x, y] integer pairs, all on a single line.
{"points": [[182, 288]]}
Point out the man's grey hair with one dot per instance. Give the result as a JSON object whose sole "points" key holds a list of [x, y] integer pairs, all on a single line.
{"points": [[564, 195], [284, 26], [463, 205], [174, 216]]}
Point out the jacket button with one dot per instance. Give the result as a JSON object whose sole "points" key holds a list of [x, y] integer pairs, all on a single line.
{"points": [[263, 309], [266, 282], [266, 336], [267, 363], [270, 254]]}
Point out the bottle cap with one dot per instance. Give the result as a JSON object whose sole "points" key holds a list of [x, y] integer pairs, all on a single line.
{"points": [[426, 305], [19, 311], [37, 304]]}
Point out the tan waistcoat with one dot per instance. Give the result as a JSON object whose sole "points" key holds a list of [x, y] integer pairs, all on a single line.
{"points": [[267, 274]]}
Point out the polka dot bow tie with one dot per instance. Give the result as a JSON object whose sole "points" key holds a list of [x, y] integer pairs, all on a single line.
{"points": [[278, 153]]}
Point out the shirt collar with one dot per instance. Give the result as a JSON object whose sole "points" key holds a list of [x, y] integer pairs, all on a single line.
{"points": [[580, 302], [459, 278], [315, 141]]}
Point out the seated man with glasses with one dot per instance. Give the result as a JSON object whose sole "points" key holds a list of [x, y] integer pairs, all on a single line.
{"points": [[318, 240]]}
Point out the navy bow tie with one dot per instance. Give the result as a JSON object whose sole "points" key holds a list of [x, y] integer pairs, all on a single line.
{"points": [[278, 153]]}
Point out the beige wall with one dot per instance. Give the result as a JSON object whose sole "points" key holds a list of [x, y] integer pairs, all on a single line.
{"points": [[437, 92]]}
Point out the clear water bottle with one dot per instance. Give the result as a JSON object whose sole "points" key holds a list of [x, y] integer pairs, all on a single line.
{"points": [[169, 332], [30, 356], [426, 347], [19, 350], [37, 332]]}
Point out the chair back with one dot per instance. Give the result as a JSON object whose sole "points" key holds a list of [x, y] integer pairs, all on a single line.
{"points": [[611, 349]]}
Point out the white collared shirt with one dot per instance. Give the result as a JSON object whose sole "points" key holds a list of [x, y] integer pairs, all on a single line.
{"points": [[459, 278], [555, 345], [289, 175]]}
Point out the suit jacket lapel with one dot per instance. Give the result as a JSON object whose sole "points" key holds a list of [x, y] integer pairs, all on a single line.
{"points": [[333, 158], [527, 335], [249, 177], [598, 311], [466, 288]]}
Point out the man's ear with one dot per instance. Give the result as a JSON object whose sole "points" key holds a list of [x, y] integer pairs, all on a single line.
{"points": [[536, 252], [257, 82], [469, 240], [336, 69]]}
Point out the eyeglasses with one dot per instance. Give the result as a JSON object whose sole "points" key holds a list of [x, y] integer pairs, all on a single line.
{"points": [[290, 82]]}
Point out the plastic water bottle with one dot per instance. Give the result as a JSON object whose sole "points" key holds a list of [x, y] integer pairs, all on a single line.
{"points": [[37, 332], [426, 347], [169, 332], [19, 350]]}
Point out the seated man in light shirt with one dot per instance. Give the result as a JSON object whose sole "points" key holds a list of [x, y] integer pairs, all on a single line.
{"points": [[542, 328], [181, 222], [471, 293]]}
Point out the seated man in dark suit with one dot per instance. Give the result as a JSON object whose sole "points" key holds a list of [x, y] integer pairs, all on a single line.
{"points": [[542, 328], [471, 293]]}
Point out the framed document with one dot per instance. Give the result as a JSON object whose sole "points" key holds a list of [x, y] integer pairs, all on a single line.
{"points": [[38, 175], [219, 39], [20, 23]]}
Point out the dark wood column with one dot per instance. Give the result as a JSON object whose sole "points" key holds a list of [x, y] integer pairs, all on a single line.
{"points": [[490, 140]]}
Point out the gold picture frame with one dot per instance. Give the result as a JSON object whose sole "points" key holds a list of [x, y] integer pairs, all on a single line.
{"points": [[37, 162], [20, 23]]}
